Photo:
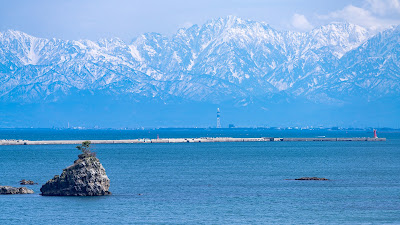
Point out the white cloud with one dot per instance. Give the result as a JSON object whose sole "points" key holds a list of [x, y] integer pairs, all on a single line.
{"points": [[375, 15], [384, 7], [356, 15], [301, 23]]}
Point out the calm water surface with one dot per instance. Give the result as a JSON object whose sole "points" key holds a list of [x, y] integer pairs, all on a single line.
{"points": [[211, 183]]}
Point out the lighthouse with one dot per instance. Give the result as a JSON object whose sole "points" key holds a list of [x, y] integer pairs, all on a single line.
{"points": [[375, 135]]}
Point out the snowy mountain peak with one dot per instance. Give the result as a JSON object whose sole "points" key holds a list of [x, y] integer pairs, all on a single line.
{"points": [[342, 37], [15, 34], [115, 41], [224, 59], [23, 46]]}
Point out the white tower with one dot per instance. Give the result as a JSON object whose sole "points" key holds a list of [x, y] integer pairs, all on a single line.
{"points": [[218, 119]]}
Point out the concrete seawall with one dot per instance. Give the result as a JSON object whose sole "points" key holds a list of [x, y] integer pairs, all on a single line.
{"points": [[181, 140]]}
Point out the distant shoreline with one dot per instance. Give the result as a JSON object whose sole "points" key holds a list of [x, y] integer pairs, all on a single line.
{"points": [[186, 140], [338, 129]]}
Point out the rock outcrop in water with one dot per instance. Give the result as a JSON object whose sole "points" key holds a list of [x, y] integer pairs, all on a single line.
{"points": [[27, 182], [86, 177], [8, 190], [311, 178]]}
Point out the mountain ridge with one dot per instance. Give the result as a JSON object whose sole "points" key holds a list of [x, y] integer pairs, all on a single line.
{"points": [[241, 52], [224, 60]]}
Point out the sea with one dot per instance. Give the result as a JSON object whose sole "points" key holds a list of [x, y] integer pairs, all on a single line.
{"points": [[210, 183]]}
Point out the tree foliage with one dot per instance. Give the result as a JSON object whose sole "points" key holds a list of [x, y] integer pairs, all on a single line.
{"points": [[85, 148]]}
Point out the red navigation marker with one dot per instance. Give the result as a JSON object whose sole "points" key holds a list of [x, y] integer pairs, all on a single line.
{"points": [[375, 135]]}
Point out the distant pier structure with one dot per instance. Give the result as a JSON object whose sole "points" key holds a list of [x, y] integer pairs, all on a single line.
{"points": [[218, 118]]}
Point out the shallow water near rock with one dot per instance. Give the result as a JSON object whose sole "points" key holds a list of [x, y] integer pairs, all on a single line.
{"points": [[219, 183]]}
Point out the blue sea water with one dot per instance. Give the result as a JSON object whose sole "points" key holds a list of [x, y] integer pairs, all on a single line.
{"points": [[210, 183]]}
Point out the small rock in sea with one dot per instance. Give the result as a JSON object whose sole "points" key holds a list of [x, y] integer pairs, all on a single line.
{"points": [[8, 190], [27, 182], [86, 177], [311, 178]]}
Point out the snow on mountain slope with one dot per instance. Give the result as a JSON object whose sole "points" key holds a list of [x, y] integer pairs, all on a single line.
{"points": [[224, 59], [372, 69]]}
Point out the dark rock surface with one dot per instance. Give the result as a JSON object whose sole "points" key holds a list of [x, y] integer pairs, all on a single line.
{"points": [[27, 182], [86, 177], [8, 190], [311, 178]]}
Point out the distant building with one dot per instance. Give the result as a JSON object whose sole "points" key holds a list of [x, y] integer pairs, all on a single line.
{"points": [[218, 119], [231, 125]]}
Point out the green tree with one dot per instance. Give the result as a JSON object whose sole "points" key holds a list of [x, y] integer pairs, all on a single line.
{"points": [[85, 147]]}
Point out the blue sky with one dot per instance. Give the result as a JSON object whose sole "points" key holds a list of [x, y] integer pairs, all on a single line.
{"points": [[94, 19]]}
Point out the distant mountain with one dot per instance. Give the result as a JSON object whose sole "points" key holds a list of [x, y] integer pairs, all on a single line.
{"points": [[372, 69], [225, 60]]}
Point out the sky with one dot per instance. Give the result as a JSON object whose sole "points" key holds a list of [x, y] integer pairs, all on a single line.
{"points": [[126, 19]]}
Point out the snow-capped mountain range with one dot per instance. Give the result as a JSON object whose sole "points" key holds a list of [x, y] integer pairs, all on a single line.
{"points": [[226, 59]]}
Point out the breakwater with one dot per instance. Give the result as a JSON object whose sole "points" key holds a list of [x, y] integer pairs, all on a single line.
{"points": [[182, 140]]}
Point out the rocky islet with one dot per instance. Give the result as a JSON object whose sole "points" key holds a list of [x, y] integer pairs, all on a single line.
{"points": [[8, 190], [311, 178], [27, 182], [86, 177]]}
